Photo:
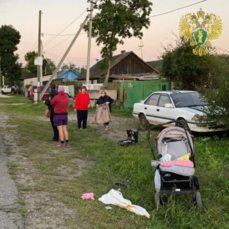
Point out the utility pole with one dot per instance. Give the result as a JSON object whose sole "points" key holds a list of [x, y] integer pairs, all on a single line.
{"points": [[64, 56], [89, 42], [39, 66], [141, 46]]}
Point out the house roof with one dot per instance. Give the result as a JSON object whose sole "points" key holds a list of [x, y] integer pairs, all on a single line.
{"points": [[67, 74], [96, 72]]}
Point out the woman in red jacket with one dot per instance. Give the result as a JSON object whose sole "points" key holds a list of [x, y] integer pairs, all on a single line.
{"points": [[60, 103], [81, 105]]}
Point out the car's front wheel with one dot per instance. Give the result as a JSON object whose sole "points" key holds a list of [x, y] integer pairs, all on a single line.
{"points": [[144, 124], [183, 124]]}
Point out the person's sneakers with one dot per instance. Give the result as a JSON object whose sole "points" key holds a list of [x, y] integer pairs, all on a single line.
{"points": [[105, 129], [53, 140], [61, 145]]}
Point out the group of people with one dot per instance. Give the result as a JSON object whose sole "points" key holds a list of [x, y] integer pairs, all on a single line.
{"points": [[58, 102]]}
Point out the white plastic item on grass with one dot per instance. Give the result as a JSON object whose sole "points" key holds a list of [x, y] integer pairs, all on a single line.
{"points": [[114, 197]]}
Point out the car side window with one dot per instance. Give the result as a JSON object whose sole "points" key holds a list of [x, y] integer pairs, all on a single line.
{"points": [[163, 100], [152, 100]]}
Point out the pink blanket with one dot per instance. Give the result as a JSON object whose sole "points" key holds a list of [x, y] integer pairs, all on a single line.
{"points": [[182, 163]]}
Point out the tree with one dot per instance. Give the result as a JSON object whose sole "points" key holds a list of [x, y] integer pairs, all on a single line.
{"points": [[9, 39], [71, 66], [117, 20], [82, 70], [217, 91], [185, 69], [47, 68], [30, 66]]}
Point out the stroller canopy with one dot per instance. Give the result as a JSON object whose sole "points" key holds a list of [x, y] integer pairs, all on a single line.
{"points": [[171, 135]]}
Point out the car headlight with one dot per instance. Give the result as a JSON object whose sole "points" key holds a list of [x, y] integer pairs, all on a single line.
{"points": [[196, 118]]}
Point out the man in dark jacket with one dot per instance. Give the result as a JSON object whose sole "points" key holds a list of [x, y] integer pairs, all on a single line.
{"points": [[52, 94]]}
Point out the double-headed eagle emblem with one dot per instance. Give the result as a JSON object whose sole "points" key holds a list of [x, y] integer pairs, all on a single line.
{"points": [[200, 29]]}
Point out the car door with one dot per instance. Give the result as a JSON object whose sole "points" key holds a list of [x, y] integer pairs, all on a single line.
{"points": [[164, 114], [150, 108]]}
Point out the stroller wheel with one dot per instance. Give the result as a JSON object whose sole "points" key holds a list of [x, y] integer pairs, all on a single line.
{"points": [[198, 200], [158, 200]]}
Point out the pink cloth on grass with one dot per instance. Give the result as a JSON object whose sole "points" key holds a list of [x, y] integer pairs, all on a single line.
{"points": [[88, 196], [181, 162]]}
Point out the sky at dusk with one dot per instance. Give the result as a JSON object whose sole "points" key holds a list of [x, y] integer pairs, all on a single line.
{"points": [[58, 14]]}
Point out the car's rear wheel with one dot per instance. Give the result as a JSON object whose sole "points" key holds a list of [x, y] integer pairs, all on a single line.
{"points": [[144, 124]]}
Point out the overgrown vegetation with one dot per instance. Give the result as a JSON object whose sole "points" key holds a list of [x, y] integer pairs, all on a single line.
{"points": [[216, 93], [107, 162], [10, 67], [190, 72]]}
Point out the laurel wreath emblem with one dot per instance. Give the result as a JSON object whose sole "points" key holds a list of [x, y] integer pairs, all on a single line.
{"points": [[200, 29]]}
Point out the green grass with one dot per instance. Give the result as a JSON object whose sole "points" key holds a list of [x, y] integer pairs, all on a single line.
{"points": [[15, 99], [55, 172]]}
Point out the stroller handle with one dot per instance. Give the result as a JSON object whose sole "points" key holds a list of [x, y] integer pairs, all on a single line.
{"points": [[183, 124]]}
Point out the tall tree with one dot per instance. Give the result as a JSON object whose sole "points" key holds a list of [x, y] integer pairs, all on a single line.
{"points": [[9, 39], [117, 20], [185, 69], [47, 68], [30, 66]]}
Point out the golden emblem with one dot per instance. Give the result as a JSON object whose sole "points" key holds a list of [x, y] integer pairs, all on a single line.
{"points": [[200, 29]]}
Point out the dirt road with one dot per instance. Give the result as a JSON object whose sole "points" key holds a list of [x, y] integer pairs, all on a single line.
{"points": [[39, 208]]}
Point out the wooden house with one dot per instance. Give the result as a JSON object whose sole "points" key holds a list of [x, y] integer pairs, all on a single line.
{"points": [[125, 66]]}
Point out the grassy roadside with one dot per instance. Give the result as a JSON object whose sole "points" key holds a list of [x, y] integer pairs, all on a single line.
{"points": [[93, 163], [14, 99]]}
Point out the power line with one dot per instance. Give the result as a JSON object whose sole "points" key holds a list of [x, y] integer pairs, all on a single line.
{"points": [[49, 34], [178, 9], [64, 29], [70, 57], [58, 44], [34, 46]]}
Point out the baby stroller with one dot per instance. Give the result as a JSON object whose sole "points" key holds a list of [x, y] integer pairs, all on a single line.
{"points": [[132, 138], [175, 164]]}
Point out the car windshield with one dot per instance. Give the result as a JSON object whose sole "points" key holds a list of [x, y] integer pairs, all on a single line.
{"points": [[188, 99]]}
